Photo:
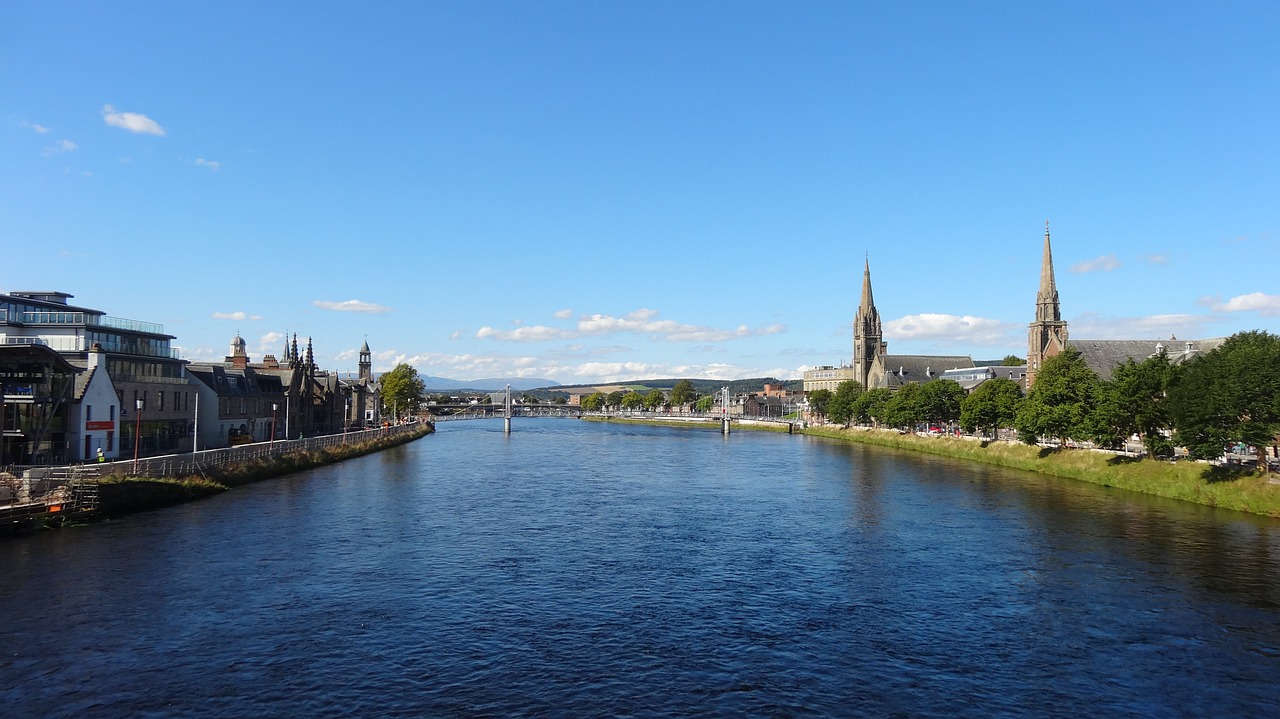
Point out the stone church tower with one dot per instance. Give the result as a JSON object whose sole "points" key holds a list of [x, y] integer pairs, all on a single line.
{"points": [[868, 340], [1047, 336], [366, 362]]}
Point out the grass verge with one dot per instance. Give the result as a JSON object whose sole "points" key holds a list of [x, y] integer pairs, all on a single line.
{"points": [[1228, 487]]}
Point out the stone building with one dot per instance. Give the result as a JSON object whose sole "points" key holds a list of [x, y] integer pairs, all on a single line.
{"points": [[1048, 335]]}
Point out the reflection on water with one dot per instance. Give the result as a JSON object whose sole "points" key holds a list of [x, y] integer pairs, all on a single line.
{"points": [[584, 569]]}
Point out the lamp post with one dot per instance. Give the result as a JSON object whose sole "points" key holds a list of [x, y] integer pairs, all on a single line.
{"points": [[274, 407], [137, 432], [346, 421]]}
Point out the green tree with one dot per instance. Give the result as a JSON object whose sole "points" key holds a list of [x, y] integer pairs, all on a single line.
{"points": [[655, 399], [401, 389], [840, 407], [561, 399], [594, 402], [1137, 402], [1012, 361], [705, 403], [870, 405], [1063, 400], [820, 401], [1230, 395], [994, 404], [683, 393], [614, 399], [939, 401], [632, 400], [903, 408]]}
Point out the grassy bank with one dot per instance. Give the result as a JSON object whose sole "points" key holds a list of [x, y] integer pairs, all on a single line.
{"points": [[121, 495], [1227, 487]]}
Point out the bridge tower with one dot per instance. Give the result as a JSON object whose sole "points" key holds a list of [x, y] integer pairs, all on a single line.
{"points": [[506, 410], [724, 410]]}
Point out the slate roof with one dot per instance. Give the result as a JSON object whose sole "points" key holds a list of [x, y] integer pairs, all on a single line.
{"points": [[903, 369], [1102, 356]]}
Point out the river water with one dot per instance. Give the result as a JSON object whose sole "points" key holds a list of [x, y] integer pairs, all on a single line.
{"points": [[584, 569]]}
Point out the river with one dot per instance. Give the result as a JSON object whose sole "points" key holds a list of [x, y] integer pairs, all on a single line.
{"points": [[586, 569]]}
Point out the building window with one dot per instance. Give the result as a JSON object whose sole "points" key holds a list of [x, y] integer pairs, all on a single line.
{"points": [[111, 440], [111, 412], [160, 395], [88, 413]]}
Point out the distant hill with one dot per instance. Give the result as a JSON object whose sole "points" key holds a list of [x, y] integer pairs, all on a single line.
{"points": [[492, 384]]}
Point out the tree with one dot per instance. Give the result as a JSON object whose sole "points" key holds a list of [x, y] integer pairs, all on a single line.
{"points": [[1137, 403], [654, 399], [994, 404], [903, 408], [1012, 361], [840, 407], [683, 393], [401, 389], [614, 399], [632, 400], [1231, 395], [593, 402], [939, 401], [1062, 402], [870, 405], [819, 400], [704, 403]]}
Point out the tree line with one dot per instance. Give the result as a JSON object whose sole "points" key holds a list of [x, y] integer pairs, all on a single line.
{"points": [[1229, 396]]}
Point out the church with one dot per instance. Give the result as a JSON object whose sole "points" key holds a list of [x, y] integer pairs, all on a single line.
{"points": [[872, 364], [1047, 335]]}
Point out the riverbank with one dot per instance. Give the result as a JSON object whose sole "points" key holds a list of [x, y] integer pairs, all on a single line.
{"points": [[1235, 488], [119, 495]]}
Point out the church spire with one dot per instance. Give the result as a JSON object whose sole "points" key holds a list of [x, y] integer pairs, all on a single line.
{"points": [[1047, 308], [868, 340], [867, 302], [1047, 335]]}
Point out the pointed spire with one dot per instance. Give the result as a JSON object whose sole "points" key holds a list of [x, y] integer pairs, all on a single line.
{"points": [[867, 301], [1047, 308], [311, 358]]}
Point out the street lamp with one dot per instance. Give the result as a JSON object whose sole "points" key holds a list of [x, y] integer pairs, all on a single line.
{"points": [[274, 407], [137, 432]]}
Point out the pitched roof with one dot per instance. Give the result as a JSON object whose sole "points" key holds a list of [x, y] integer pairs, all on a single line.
{"points": [[902, 369], [1103, 356]]}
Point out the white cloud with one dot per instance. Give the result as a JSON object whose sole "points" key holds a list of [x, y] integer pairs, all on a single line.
{"points": [[1091, 326], [1264, 304], [35, 127], [270, 342], [132, 121], [59, 147], [1105, 263], [563, 314], [534, 333], [350, 306], [211, 164], [456, 334], [639, 322], [1156, 259], [234, 316], [935, 327]]}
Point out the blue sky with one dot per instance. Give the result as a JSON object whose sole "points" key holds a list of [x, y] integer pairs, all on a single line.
{"points": [[602, 191]]}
